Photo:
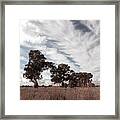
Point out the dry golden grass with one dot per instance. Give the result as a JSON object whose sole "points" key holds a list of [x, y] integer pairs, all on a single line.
{"points": [[58, 93]]}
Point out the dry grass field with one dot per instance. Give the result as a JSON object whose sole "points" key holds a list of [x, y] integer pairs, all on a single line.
{"points": [[59, 93]]}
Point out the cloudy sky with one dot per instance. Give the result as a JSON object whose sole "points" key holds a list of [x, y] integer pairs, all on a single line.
{"points": [[74, 42]]}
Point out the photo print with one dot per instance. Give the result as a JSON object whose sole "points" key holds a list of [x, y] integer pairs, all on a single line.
{"points": [[60, 59]]}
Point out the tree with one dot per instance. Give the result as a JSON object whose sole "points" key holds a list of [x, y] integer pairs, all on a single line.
{"points": [[74, 79], [80, 79], [85, 78], [35, 66], [60, 74]]}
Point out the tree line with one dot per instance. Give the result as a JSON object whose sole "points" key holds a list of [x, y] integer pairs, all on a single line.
{"points": [[61, 74]]}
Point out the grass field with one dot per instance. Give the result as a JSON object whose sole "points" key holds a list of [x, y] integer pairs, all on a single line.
{"points": [[58, 93]]}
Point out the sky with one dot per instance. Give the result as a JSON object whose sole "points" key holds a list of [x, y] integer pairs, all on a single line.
{"points": [[73, 42]]}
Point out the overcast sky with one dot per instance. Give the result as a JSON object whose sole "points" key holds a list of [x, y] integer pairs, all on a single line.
{"points": [[74, 42]]}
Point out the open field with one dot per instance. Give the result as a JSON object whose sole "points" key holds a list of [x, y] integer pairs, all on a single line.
{"points": [[58, 93]]}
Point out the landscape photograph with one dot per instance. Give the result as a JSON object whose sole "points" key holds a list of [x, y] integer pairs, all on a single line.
{"points": [[59, 59]]}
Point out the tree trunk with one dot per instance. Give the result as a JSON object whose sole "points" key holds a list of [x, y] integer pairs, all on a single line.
{"points": [[35, 84]]}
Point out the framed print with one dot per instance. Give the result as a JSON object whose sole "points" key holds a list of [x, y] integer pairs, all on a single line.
{"points": [[59, 59]]}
